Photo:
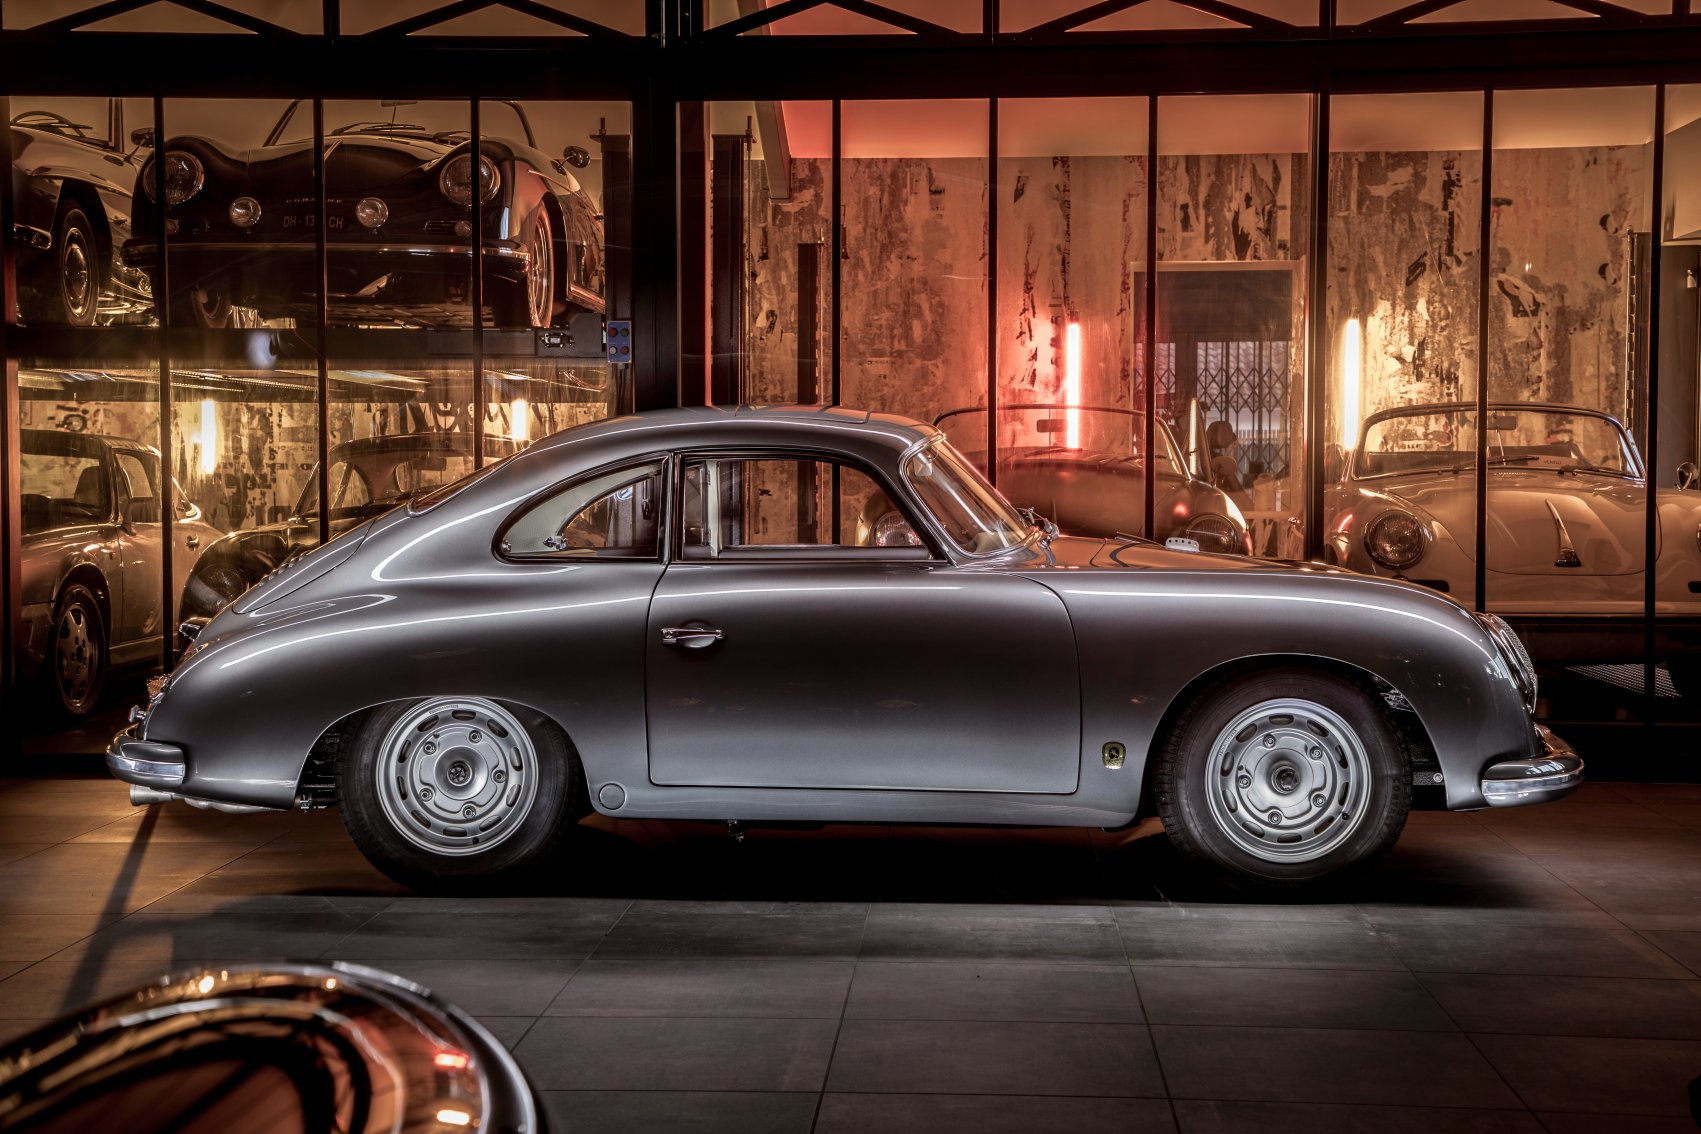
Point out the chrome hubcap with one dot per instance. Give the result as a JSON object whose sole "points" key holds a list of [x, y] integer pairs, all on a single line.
{"points": [[457, 775], [76, 277], [74, 655], [1287, 780]]}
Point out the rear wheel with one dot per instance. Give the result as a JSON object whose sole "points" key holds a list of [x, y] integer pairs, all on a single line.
{"points": [[529, 302], [1284, 780], [201, 306], [77, 660], [451, 792]]}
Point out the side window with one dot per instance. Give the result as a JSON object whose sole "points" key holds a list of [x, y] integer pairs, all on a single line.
{"points": [[615, 515], [143, 507], [772, 505]]}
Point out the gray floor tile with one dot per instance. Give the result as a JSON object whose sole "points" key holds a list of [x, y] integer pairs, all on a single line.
{"points": [[1684, 946], [473, 934], [1075, 935], [490, 986], [798, 932], [231, 936], [775, 987], [990, 1114], [1616, 1123], [1596, 1076], [564, 1053], [955, 990], [53, 987], [1138, 913], [1545, 950], [1570, 1006], [1288, 998], [1327, 1065], [1267, 944], [1309, 1118], [928, 1057], [681, 1112]]}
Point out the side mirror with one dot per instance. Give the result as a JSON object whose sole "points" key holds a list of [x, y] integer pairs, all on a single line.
{"points": [[186, 509], [577, 156], [1688, 475], [142, 137]]}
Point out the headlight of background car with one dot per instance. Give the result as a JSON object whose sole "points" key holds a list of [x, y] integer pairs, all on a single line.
{"points": [[1216, 533], [1396, 540], [184, 176], [892, 530], [1516, 656], [456, 179]]}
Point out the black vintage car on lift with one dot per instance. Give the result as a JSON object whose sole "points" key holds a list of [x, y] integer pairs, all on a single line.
{"points": [[71, 185], [400, 178]]}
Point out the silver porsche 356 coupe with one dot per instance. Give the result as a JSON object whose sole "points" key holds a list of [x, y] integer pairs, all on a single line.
{"points": [[669, 614]]}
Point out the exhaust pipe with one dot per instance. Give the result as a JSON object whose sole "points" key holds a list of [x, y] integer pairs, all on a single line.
{"points": [[144, 796]]}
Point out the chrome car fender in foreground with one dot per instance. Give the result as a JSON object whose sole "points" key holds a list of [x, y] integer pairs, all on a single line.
{"points": [[668, 658]]}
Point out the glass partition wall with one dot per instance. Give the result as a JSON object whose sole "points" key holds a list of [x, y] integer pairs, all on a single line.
{"points": [[243, 325]]}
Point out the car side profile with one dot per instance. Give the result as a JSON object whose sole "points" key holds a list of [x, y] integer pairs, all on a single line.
{"points": [[92, 598], [676, 614]]}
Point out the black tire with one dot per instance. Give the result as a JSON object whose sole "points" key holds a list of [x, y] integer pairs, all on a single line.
{"points": [[203, 307], [529, 301], [66, 283], [1316, 750], [405, 831], [77, 658]]}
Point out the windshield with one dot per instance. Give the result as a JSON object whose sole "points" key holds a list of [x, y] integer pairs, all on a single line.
{"points": [[443, 119], [1027, 432], [972, 513], [1444, 439]]}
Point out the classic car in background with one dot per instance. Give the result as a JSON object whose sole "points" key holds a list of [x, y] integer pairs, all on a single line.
{"points": [[1091, 481], [71, 185], [400, 178], [1567, 509], [304, 1048], [368, 477], [92, 597], [602, 622]]}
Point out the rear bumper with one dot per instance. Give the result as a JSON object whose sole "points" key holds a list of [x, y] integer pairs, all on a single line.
{"points": [[1516, 783], [145, 762]]}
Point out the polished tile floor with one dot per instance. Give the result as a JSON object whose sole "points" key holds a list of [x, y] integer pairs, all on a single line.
{"points": [[1510, 971]]}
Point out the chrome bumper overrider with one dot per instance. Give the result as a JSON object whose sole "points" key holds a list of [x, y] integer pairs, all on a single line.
{"points": [[1554, 775], [145, 762]]}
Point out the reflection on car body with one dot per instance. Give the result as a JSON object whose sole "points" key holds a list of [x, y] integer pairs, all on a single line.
{"points": [[71, 185], [672, 614], [368, 477], [301, 1048], [1082, 468], [92, 596], [242, 223], [1566, 521]]}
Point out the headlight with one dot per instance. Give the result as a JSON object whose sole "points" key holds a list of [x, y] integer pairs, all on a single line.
{"points": [[184, 176], [1396, 540], [1216, 533], [1517, 658], [456, 179], [371, 212], [245, 212], [892, 530]]}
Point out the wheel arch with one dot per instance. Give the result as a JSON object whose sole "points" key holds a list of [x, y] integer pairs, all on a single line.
{"points": [[91, 577], [1409, 727], [88, 199]]}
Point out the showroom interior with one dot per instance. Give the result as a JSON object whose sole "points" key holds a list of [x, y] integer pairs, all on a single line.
{"points": [[1410, 289]]}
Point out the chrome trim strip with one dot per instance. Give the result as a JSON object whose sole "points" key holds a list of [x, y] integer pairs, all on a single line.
{"points": [[1567, 556], [139, 251]]}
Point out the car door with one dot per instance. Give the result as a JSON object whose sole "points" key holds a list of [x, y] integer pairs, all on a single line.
{"points": [[137, 605], [781, 654]]}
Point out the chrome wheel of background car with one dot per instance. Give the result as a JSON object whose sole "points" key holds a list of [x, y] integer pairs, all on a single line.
{"points": [[456, 775], [540, 280], [79, 651], [200, 306], [79, 271], [1288, 780]]}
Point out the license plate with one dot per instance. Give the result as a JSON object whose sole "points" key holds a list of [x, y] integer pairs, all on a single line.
{"points": [[310, 221]]}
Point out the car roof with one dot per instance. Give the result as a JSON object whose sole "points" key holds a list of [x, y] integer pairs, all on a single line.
{"points": [[433, 440], [801, 425], [125, 443]]}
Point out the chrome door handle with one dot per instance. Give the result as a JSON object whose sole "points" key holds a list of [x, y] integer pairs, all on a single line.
{"points": [[691, 637], [193, 541]]}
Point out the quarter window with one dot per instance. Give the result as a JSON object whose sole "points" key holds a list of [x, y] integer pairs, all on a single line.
{"points": [[614, 515]]}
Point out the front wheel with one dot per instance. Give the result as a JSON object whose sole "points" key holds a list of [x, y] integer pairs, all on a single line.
{"points": [[529, 302], [65, 287], [448, 792], [1284, 780]]}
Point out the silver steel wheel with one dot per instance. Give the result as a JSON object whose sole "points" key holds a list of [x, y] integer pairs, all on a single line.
{"points": [[75, 663], [456, 775], [540, 277], [77, 278], [1287, 780]]}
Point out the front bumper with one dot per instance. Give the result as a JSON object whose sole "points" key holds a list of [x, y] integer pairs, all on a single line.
{"points": [[1554, 775], [146, 763]]}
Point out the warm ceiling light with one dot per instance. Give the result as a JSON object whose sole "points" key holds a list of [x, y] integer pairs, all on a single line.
{"points": [[519, 419], [1072, 384], [1352, 381], [453, 1116], [209, 436]]}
